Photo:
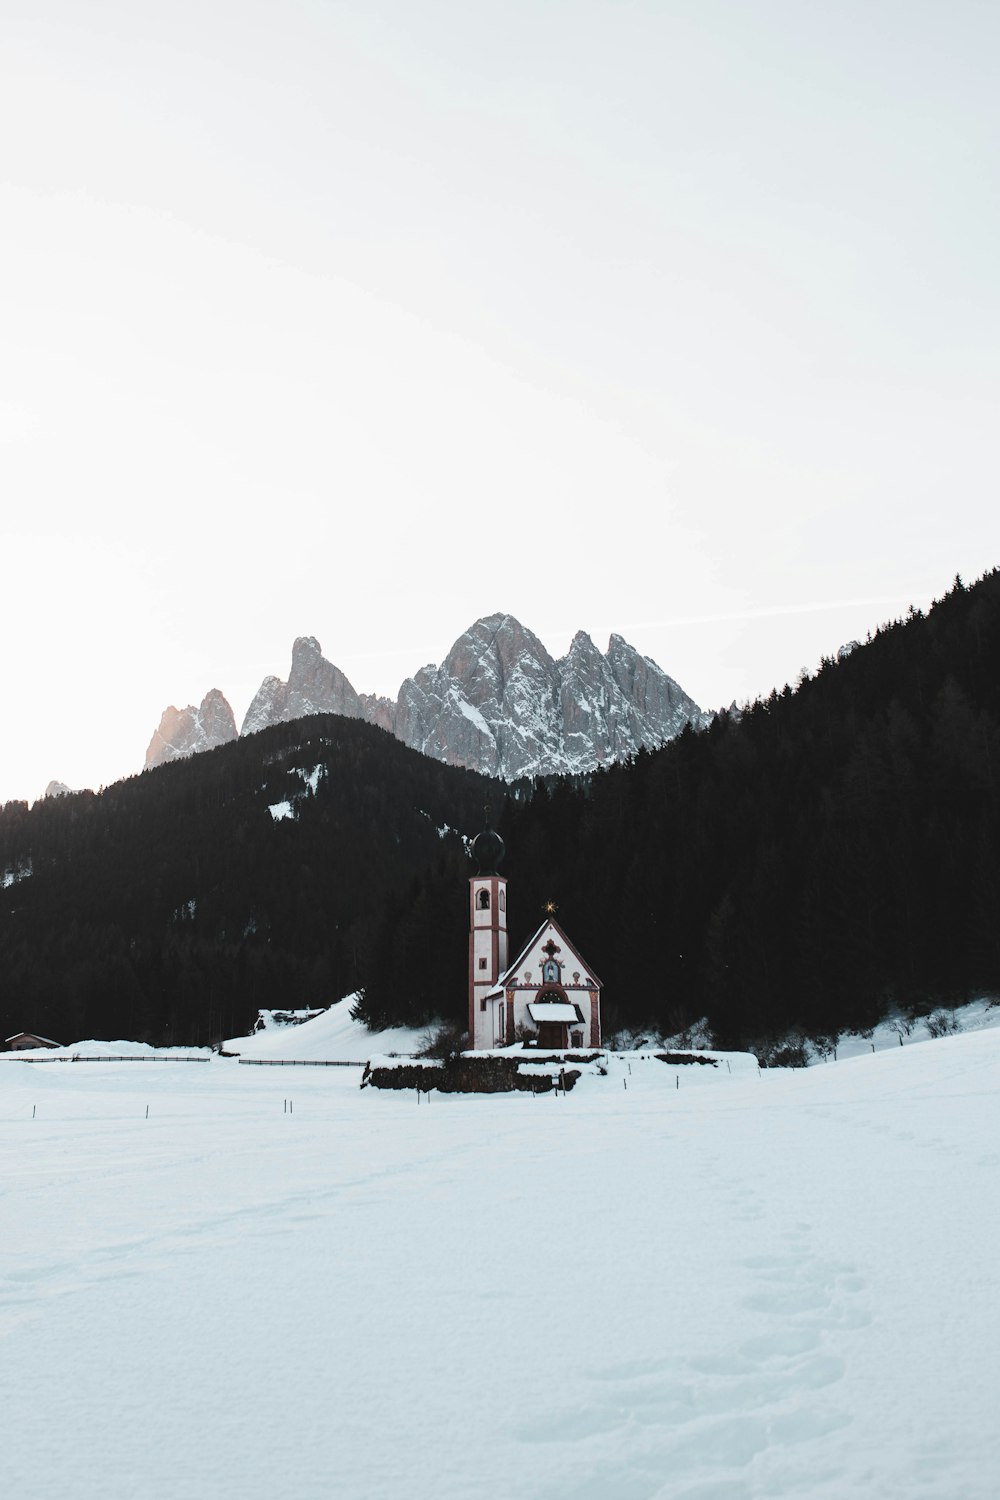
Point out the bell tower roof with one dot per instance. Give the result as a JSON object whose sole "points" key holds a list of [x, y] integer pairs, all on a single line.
{"points": [[488, 849]]}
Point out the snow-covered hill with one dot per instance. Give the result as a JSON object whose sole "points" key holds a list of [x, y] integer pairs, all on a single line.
{"points": [[756, 1285], [977, 1015], [332, 1036]]}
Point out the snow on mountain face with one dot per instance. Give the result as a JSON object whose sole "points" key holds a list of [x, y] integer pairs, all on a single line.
{"points": [[314, 686], [269, 706], [498, 703], [186, 731]]}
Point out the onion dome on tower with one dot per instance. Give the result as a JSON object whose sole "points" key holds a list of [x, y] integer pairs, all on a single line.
{"points": [[488, 849]]}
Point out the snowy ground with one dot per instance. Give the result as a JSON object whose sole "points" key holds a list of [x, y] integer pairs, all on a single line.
{"points": [[745, 1286]]}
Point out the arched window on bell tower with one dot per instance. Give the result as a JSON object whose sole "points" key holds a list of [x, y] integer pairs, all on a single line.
{"points": [[484, 900]]}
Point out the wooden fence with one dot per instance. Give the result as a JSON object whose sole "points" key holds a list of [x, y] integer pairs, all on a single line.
{"points": [[297, 1062]]}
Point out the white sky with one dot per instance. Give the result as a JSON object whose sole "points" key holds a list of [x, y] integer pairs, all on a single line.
{"points": [[677, 318]]}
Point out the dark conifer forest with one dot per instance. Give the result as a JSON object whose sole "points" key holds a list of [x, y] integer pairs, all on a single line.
{"points": [[811, 863]]}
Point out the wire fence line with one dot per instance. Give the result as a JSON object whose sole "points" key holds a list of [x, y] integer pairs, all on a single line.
{"points": [[103, 1058], [298, 1062], [246, 1062]]}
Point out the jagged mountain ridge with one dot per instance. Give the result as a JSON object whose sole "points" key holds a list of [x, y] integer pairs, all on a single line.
{"points": [[499, 703], [186, 731], [314, 686]]}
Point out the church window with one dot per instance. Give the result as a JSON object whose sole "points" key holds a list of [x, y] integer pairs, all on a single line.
{"points": [[482, 1004], [482, 963], [484, 901], [503, 899]]}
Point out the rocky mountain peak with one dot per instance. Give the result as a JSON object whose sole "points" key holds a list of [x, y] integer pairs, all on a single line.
{"points": [[583, 656], [490, 648], [314, 686], [499, 703], [186, 731]]}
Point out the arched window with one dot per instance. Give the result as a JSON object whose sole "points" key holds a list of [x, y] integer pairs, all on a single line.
{"points": [[484, 901]]}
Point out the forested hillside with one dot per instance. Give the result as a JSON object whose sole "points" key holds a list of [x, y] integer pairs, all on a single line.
{"points": [[825, 855], [172, 905]]}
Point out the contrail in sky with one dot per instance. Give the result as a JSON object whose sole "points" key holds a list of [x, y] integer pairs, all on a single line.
{"points": [[766, 612], [771, 611]]}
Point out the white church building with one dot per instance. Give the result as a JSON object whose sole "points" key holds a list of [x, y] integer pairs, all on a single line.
{"points": [[549, 991]]}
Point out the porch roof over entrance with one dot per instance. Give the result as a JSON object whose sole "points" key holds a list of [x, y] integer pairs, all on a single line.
{"points": [[553, 1010]]}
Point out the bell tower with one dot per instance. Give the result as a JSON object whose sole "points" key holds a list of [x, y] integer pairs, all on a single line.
{"points": [[487, 941]]}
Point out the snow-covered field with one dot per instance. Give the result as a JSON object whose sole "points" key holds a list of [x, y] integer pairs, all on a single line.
{"points": [[745, 1286]]}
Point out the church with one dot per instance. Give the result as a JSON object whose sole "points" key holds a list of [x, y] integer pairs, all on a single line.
{"points": [[549, 992]]}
